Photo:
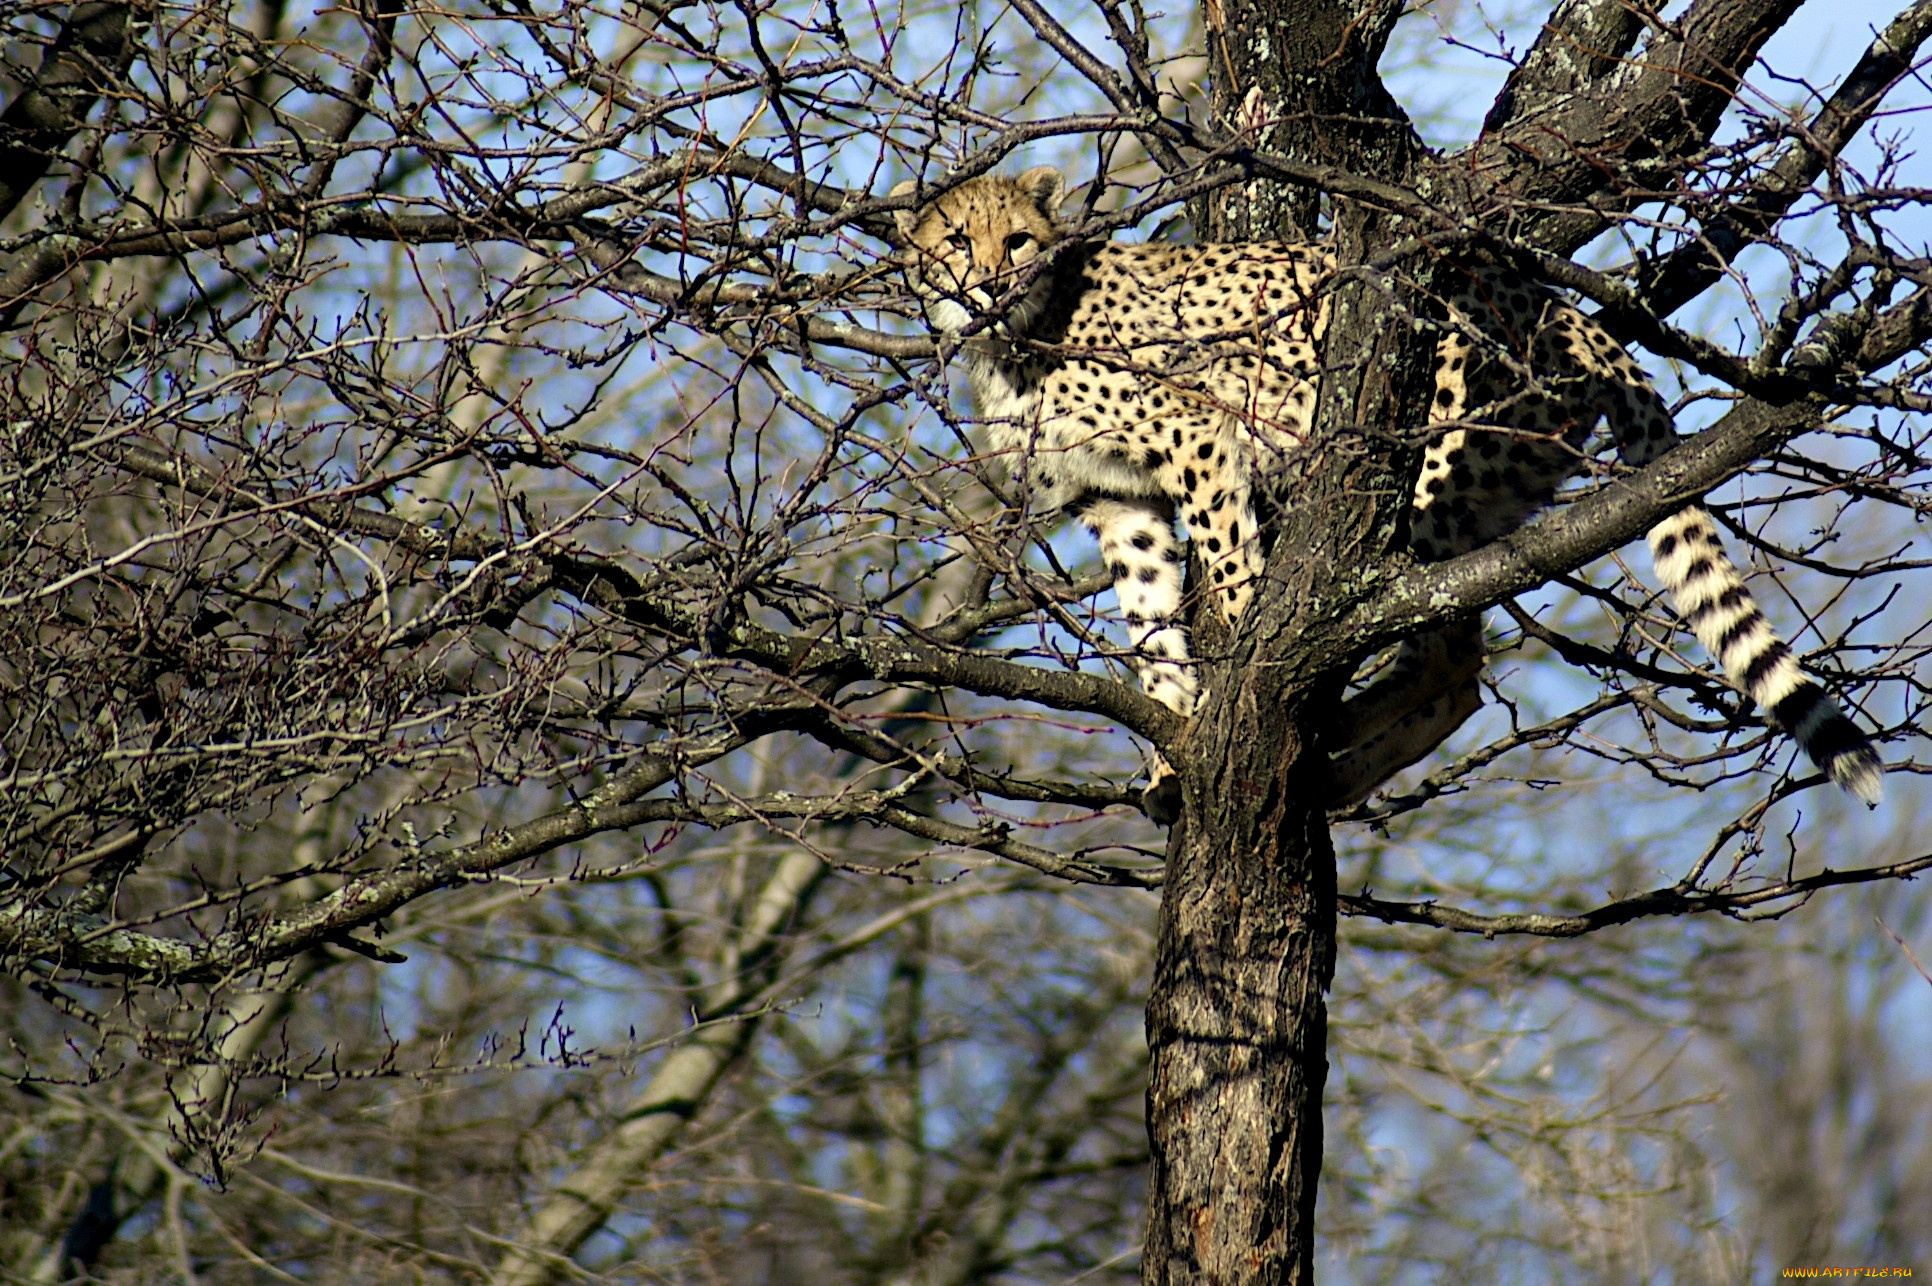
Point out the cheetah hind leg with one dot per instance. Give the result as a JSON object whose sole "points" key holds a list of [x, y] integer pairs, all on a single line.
{"points": [[1427, 694], [1137, 541]]}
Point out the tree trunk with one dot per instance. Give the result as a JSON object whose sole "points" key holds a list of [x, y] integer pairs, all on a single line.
{"points": [[1236, 1020]]}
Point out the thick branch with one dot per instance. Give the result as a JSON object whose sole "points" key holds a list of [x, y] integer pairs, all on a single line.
{"points": [[1654, 114], [1563, 540], [1683, 275], [1583, 42], [1568, 537]]}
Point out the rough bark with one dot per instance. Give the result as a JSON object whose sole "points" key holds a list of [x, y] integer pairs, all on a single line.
{"points": [[1297, 77], [1236, 1021]]}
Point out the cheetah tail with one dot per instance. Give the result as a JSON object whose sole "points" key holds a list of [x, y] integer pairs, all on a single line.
{"points": [[1714, 602]]}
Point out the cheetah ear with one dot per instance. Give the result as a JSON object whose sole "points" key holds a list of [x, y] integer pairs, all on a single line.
{"points": [[1045, 186], [908, 220]]}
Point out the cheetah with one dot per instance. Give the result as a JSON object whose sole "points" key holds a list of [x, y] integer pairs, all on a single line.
{"points": [[1124, 383]]}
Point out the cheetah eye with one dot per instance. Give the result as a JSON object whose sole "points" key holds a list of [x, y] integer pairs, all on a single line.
{"points": [[959, 241], [1018, 242]]}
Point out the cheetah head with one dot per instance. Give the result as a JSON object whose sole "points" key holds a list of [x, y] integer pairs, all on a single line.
{"points": [[970, 244]]}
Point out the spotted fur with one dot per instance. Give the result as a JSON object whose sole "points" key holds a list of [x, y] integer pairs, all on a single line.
{"points": [[1125, 382]]}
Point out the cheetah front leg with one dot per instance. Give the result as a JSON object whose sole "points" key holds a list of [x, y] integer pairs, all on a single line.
{"points": [[1137, 542], [1215, 510], [1219, 516]]}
